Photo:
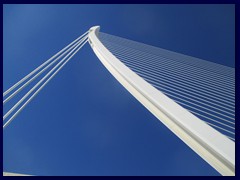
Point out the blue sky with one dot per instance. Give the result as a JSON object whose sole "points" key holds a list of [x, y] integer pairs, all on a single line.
{"points": [[84, 122]]}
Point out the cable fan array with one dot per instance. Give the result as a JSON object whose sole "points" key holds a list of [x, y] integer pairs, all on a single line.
{"points": [[51, 67], [205, 89]]}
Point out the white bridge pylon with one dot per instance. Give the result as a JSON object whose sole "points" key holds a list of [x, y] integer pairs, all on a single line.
{"points": [[213, 146]]}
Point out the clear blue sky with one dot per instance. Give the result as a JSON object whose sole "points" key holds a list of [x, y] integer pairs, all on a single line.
{"points": [[84, 122]]}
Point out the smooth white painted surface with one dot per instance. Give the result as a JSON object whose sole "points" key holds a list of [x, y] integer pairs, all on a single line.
{"points": [[211, 145], [14, 174]]}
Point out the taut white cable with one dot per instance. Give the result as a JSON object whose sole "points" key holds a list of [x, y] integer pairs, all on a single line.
{"points": [[204, 88], [155, 59], [39, 73], [31, 90], [175, 68], [192, 88], [159, 51], [36, 92], [27, 76]]}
